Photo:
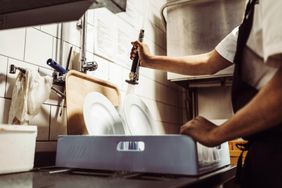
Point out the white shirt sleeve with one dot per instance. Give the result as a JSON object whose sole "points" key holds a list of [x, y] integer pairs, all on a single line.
{"points": [[272, 28], [227, 47]]}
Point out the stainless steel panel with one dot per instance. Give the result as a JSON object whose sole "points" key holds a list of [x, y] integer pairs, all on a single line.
{"points": [[197, 26]]}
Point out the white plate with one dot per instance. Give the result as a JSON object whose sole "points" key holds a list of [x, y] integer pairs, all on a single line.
{"points": [[100, 116], [137, 116]]}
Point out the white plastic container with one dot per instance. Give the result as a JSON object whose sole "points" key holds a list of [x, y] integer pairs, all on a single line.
{"points": [[17, 148]]}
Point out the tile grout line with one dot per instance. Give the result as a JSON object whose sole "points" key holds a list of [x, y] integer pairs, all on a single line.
{"points": [[13, 58]]}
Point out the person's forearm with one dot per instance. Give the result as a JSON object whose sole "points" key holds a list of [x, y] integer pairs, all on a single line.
{"points": [[263, 112], [203, 64]]}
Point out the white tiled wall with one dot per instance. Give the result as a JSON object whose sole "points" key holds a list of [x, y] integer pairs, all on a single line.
{"points": [[109, 46], [38, 47], [13, 43]]}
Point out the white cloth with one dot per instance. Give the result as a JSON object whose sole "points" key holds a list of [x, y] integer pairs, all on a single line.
{"points": [[29, 92], [262, 57]]}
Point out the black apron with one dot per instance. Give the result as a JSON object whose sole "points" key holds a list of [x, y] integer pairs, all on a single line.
{"points": [[263, 163]]}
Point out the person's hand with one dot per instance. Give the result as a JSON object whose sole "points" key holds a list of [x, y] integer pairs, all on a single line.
{"points": [[143, 52], [202, 131]]}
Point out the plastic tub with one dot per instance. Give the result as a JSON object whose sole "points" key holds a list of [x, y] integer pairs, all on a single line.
{"points": [[17, 148]]}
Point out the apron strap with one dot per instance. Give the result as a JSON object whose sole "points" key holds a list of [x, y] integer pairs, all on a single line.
{"points": [[243, 147], [241, 91], [244, 31]]}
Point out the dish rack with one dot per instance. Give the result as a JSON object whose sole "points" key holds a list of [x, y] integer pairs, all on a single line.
{"points": [[162, 154]]}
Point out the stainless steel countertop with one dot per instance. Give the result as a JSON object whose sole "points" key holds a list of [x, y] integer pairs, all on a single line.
{"points": [[42, 178]]}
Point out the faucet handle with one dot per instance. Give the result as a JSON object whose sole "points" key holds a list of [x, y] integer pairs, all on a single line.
{"points": [[90, 66]]}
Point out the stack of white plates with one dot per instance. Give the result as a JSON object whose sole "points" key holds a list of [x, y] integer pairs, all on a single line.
{"points": [[101, 117]]}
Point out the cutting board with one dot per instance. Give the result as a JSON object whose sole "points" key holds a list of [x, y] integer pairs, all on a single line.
{"points": [[78, 85]]}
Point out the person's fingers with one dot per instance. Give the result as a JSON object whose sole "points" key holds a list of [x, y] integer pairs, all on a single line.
{"points": [[132, 55], [136, 44], [134, 49]]}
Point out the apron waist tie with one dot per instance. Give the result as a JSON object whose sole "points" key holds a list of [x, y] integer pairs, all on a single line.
{"points": [[243, 147]]}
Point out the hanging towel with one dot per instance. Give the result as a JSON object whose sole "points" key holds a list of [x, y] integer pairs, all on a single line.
{"points": [[29, 92]]}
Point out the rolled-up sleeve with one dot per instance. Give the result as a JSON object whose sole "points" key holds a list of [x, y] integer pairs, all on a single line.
{"points": [[227, 47], [272, 28]]}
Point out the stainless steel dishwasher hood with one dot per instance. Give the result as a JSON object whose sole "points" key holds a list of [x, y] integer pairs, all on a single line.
{"points": [[200, 25], [20, 13]]}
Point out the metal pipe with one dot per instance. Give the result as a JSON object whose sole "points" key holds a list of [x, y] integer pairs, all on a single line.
{"points": [[173, 3], [83, 42]]}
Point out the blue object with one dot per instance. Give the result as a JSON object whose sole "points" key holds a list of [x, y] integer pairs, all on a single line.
{"points": [[52, 63]]}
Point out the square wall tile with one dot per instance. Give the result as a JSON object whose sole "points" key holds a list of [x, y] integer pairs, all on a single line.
{"points": [[56, 49], [139, 6], [90, 16], [147, 72], [71, 33], [136, 13], [155, 34], [155, 17], [61, 55], [4, 110], [39, 47], [146, 88], [125, 35], [12, 43], [3, 74], [105, 38], [117, 76], [102, 72], [89, 57], [41, 120], [90, 38], [51, 29], [58, 124]]}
